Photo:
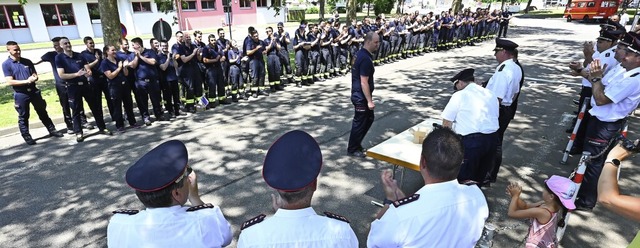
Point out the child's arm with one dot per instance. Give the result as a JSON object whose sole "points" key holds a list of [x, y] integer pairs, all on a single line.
{"points": [[519, 209]]}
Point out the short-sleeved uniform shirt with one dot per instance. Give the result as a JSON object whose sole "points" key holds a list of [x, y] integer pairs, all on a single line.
{"points": [[107, 65], [144, 70], [21, 69], [71, 64], [170, 73], [258, 54], [625, 96], [473, 110], [505, 82], [50, 57], [363, 66], [90, 57], [210, 52]]}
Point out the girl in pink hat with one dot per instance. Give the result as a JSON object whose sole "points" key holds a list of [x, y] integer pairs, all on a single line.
{"points": [[546, 215]]}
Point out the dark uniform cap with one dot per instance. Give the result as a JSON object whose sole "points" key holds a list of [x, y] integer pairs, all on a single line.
{"points": [[292, 162], [503, 44], [635, 46], [609, 35], [159, 168], [465, 75], [280, 24], [303, 26], [628, 38]]}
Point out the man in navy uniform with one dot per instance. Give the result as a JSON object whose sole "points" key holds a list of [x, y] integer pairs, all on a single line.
{"points": [[20, 73], [74, 69], [163, 182], [144, 62], [98, 80], [362, 94], [291, 167]]}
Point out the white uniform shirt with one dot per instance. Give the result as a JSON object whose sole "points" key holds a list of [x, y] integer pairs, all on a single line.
{"points": [[614, 75], [505, 82], [298, 228], [473, 110], [596, 54], [624, 95], [606, 58], [447, 214], [170, 227]]}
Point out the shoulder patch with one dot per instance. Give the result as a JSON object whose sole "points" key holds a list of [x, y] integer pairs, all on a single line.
{"points": [[501, 67], [126, 211], [253, 221], [406, 200], [200, 207], [335, 216], [607, 54], [635, 74]]}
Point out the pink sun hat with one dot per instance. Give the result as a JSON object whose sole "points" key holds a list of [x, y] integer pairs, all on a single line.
{"points": [[564, 188]]}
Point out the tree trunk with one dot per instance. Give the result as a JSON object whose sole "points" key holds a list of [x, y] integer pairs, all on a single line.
{"points": [[526, 9], [321, 11], [110, 20], [399, 8], [502, 6], [456, 5], [351, 11]]}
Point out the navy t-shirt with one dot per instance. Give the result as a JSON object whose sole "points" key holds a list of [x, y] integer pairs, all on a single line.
{"points": [[363, 66], [107, 65], [19, 70], [90, 57], [258, 54], [234, 54], [170, 73], [210, 52], [144, 70], [71, 64], [51, 58]]}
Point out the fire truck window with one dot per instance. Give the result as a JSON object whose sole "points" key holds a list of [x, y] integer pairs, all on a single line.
{"points": [[591, 4], [581, 5], [613, 4]]}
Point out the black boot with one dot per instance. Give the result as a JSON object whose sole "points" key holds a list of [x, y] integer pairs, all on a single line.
{"points": [[27, 138]]}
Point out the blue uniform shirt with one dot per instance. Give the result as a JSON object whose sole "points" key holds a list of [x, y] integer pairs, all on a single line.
{"points": [[363, 66], [107, 65], [274, 49], [170, 73], [234, 54], [51, 58], [210, 52], [71, 64], [144, 70], [258, 54], [19, 70], [90, 57]]}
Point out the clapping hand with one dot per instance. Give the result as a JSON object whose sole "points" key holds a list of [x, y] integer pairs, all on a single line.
{"points": [[596, 69], [514, 189]]}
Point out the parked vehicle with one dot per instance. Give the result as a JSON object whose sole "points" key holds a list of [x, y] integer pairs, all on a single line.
{"points": [[590, 10]]}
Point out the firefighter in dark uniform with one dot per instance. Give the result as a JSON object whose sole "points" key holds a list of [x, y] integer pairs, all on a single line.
{"points": [[314, 53], [97, 80], [189, 72], [273, 60], [235, 73], [214, 77], [223, 47], [22, 76], [335, 50], [144, 62], [73, 68], [169, 76], [343, 49], [255, 50], [325, 52], [244, 61], [301, 48], [285, 62]]}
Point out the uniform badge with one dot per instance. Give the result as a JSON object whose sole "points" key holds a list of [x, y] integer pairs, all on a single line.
{"points": [[253, 221], [335, 216], [607, 54], [200, 207], [126, 211], [406, 200], [501, 67]]}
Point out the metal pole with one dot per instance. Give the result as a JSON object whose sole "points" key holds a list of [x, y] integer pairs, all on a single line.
{"points": [[229, 24]]}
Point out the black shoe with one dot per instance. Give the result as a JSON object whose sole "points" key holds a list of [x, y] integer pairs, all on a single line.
{"points": [[148, 122], [88, 126], [55, 133], [357, 154], [226, 101], [105, 131], [28, 139], [79, 137]]}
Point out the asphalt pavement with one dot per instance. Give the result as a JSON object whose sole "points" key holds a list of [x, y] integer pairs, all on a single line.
{"points": [[60, 194]]}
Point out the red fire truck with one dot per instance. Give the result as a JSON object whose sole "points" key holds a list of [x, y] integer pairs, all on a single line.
{"points": [[588, 10]]}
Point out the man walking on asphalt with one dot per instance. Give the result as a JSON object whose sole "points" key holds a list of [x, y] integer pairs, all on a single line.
{"points": [[362, 94]]}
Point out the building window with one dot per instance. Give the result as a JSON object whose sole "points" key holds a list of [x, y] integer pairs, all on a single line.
{"points": [[58, 14], [189, 5], [208, 4], [141, 6], [276, 3], [94, 12], [245, 3], [261, 3], [12, 16]]}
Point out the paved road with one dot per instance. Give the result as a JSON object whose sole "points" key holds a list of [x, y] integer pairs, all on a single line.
{"points": [[60, 194]]}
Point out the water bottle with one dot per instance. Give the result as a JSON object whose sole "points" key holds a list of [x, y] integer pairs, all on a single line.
{"points": [[486, 240]]}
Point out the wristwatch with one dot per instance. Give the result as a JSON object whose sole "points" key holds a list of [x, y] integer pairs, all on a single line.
{"points": [[615, 162], [594, 80]]}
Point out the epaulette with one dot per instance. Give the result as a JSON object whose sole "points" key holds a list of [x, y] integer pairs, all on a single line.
{"points": [[635, 74], [126, 211], [335, 216], [607, 54], [200, 207], [406, 200], [501, 67], [253, 221]]}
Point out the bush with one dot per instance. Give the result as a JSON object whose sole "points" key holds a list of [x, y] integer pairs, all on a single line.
{"points": [[383, 6], [312, 10]]}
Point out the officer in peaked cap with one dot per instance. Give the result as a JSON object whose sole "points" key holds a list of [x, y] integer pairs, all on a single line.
{"points": [[472, 112], [505, 85], [163, 182], [291, 167]]}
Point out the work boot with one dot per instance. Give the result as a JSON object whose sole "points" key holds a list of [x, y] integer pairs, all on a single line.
{"points": [[86, 125], [54, 133], [28, 139], [105, 132], [79, 138]]}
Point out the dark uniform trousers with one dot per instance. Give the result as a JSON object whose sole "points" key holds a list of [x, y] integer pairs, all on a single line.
{"points": [[257, 73], [599, 133], [479, 154], [302, 65], [314, 62], [149, 88], [120, 94], [217, 85], [63, 96], [362, 120], [190, 75], [77, 91], [502, 32], [274, 69], [285, 64], [235, 77], [22, 100], [582, 129], [326, 64], [171, 95], [101, 86], [504, 118]]}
